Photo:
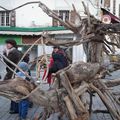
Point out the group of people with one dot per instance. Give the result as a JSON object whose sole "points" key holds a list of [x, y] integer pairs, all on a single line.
{"points": [[58, 61]]}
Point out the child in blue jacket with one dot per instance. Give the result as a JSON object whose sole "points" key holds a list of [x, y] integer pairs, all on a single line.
{"points": [[23, 104]]}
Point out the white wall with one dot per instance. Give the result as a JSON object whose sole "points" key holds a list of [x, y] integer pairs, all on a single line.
{"points": [[78, 54], [48, 50], [2, 66], [116, 7], [27, 14], [30, 14], [111, 6]]}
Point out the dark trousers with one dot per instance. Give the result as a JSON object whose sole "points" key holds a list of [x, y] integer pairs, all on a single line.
{"points": [[23, 108], [14, 107], [8, 76]]}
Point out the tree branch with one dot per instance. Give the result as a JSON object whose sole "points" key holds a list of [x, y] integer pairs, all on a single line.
{"points": [[52, 14], [4, 57]]}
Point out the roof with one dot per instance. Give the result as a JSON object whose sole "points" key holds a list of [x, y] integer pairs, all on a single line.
{"points": [[32, 31]]}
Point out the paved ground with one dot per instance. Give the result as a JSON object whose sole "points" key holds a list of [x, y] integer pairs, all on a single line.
{"points": [[5, 103], [4, 110]]}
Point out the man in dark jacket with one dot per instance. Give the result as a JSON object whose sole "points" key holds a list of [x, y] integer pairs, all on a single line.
{"points": [[59, 58], [12, 54]]}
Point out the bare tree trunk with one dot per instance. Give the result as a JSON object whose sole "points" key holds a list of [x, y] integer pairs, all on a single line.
{"points": [[93, 51]]}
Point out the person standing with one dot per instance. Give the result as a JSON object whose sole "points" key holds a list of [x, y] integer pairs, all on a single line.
{"points": [[13, 55], [24, 103], [49, 77], [59, 58], [27, 59]]}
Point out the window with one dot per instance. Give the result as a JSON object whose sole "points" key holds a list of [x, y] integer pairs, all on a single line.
{"points": [[4, 18], [64, 15], [7, 18]]}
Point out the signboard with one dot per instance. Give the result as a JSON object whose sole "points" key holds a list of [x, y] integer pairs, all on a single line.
{"points": [[106, 19]]}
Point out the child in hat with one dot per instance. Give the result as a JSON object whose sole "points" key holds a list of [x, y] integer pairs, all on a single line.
{"points": [[23, 104]]}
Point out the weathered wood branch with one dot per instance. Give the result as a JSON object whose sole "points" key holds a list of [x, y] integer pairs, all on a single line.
{"points": [[72, 94], [112, 83], [85, 39], [70, 108], [76, 12], [27, 53], [16, 66], [87, 13], [109, 28], [55, 16], [8, 67], [114, 114]]}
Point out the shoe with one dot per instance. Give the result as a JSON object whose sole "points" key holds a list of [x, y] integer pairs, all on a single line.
{"points": [[12, 112]]}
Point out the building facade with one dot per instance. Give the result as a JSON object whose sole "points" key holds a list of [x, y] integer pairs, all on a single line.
{"points": [[32, 16], [115, 7]]}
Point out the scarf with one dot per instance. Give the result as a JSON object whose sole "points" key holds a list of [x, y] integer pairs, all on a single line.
{"points": [[9, 50]]}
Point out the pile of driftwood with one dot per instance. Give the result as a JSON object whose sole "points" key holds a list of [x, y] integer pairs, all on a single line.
{"points": [[72, 95], [75, 84]]}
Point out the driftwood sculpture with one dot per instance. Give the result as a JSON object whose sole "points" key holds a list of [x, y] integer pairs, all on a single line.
{"points": [[77, 80], [85, 77]]}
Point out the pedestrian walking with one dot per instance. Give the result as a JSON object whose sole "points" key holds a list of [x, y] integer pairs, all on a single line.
{"points": [[59, 58]]}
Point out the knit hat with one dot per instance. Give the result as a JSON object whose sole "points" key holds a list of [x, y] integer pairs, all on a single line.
{"points": [[23, 66], [12, 42]]}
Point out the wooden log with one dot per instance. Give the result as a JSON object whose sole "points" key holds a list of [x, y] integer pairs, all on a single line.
{"points": [[110, 97], [112, 83], [81, 89], [85, 96], [70, 108], [66, 83], [16, 88], [81, 71]]}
